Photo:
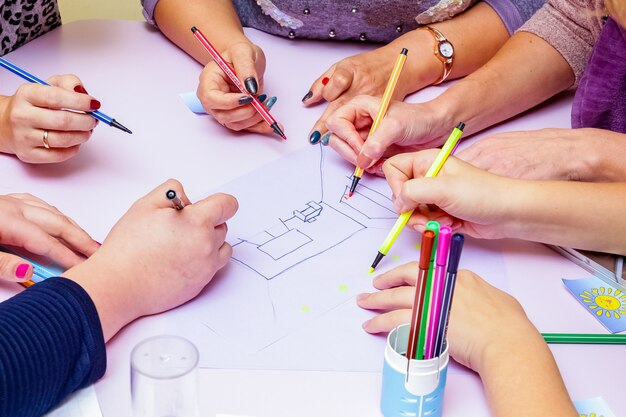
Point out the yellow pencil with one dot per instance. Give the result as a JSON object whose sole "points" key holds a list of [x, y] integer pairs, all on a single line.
{"points": [[382, 110], [434, 169]]}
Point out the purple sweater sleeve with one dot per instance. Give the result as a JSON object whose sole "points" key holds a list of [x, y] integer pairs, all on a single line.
{"points": [[51, 344], [148, 10], [514, 12]]}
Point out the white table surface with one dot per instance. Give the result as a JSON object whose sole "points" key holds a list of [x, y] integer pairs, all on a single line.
{"points": [[137, 75]]}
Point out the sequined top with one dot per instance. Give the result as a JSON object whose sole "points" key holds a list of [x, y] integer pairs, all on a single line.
{"points": [[360, 20], [24, 20]]}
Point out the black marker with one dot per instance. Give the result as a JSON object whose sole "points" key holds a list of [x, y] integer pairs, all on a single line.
{"points": [[176, 201]]}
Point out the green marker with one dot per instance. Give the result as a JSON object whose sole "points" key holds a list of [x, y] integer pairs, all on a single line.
{"points": [[444, 153], [577, 338], [419, 351]]}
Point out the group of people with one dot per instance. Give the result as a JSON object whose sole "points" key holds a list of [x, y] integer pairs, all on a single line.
{"points": [[544, 185]]}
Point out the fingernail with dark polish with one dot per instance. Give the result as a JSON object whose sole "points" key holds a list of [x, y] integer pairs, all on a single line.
{"points": [[307, 96], [326, 138], [270, 103], [251, 85], [315, 137], [325, 80], [80, 89], [95, 104], [262, 97], [245, 100], [22, 270]]}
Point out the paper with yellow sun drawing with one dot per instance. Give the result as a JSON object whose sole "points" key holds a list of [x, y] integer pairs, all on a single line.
{"points": [[593, 407], [606, 302]]}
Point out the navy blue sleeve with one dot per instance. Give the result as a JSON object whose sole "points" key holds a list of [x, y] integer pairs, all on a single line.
{"points": [[51, 344]]}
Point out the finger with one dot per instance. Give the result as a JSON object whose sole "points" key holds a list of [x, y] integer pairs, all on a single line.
{"points": [[57, 98], [376, 145], [344, 150], [248, 124], [42, 155], [69, 82], [389, 299], [224, 254], [62, 120], [404, 167], [217, 208], [263, 128], [237, 115], [386, 322], [347, 121], [60, 139], [215, 92], [244, 58], [315, 92], [340, 81], [320, 124], [402, 275], [13, 268], [34, 239], [220, 233], [61, 227]]}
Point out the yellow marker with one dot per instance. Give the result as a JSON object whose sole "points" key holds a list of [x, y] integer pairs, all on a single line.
{"points": [[441, 159], [382, 110]]}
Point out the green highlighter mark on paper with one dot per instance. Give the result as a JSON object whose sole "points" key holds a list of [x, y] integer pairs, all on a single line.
{"points": [[305, 309], [343, 288], [395, 258], [417, 246]]}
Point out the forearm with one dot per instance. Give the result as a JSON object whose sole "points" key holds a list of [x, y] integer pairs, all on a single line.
{"points": [[110, 290], [476, 34], [217, 19], [523, 379], [524, 73], [573, 214], [50, 345]]}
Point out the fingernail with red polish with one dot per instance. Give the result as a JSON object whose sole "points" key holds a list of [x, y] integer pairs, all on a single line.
{"points": [[325, 80], [22, 270], [95, 104], [80, 89]]}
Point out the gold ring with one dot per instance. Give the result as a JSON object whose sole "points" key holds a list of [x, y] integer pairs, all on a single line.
{"points": [[46, 144]]}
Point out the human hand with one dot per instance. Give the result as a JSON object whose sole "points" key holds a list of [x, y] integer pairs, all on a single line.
{"points": [[406, 127], [550, 154], [484, 320], [221, 99], [156, 257], [35, 109], [33, 225], [363, 74], [469, 200]]}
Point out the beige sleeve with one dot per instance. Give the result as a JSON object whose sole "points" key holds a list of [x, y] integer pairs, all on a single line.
{"points": [[571, 27]]}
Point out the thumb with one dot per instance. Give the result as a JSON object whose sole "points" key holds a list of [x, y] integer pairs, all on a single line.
{"points": [[377, 143], [13, 268], [243, 56]]}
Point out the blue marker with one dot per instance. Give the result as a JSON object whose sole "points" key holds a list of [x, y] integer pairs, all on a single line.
{"points": [[40, 272], [456, 247], [29, 77]]}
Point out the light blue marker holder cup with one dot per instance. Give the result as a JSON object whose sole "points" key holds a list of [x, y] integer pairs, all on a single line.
{"points": [[419, 395]]}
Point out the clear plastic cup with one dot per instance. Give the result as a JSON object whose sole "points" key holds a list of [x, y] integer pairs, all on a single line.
{"points": [[164, 379]]}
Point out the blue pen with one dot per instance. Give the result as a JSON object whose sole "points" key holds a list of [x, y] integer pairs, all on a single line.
{"points": [[40, 272], [29, 77], [456, 247]]}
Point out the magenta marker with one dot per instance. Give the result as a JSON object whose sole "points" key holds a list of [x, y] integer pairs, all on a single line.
{"points": [[439, 280]]}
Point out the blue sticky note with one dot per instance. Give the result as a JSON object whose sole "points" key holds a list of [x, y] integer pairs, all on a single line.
{"points": [[192, 101], [607, 302], [593, 407]]}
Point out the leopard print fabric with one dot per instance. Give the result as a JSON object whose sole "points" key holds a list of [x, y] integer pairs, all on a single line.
{"points": [[25, 20]]}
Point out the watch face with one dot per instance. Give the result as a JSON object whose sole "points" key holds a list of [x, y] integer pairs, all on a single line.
{"points": [[446, 49]]}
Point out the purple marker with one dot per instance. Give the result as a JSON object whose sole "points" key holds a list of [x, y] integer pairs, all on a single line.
{"points": [[439, 280]]}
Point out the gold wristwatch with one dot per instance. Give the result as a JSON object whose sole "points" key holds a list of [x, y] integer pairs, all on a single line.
{"points": [[444, 51]]}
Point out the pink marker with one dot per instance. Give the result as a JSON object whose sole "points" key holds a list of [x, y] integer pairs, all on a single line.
{"points": [[439, 281]]}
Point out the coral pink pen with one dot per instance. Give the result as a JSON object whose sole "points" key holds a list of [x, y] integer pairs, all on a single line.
{"points": [[221, 62]]}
